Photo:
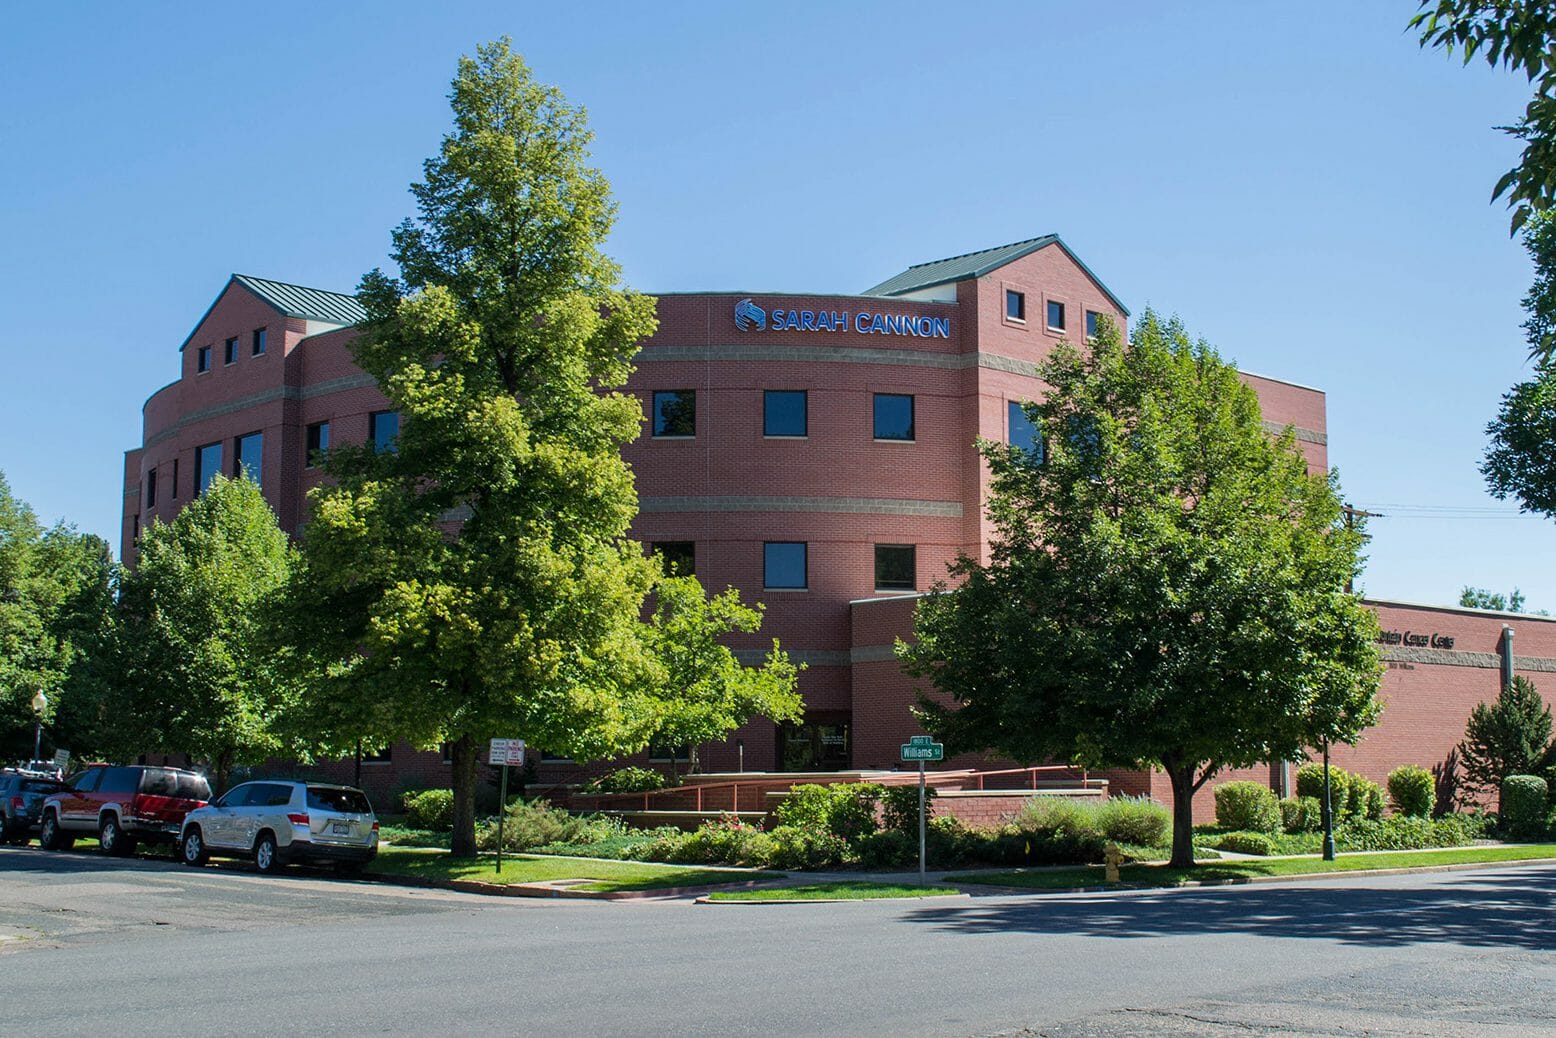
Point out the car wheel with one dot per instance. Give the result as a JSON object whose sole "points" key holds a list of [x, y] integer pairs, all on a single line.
{"points": [[110, 836], [51, 837], [191, 851], [266, 858]]}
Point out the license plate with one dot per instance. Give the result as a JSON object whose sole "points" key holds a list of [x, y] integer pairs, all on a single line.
{"points": [[340, 828]]}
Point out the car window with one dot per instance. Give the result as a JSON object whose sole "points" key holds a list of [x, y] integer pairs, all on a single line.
{"points": [[41, 786], [86, 781], [119, 780], [158, 782], [237, 796], [350, 801], [276, 795], [192, 786]]}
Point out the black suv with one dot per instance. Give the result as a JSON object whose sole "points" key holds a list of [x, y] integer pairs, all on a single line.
{"points": [[21, 803]]}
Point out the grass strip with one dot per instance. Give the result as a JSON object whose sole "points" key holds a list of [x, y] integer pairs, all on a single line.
{"points": [[1225, 870], [845, 890], [523, 868]]}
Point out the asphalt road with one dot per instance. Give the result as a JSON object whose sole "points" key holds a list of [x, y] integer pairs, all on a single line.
{"points": [[148, 947]]}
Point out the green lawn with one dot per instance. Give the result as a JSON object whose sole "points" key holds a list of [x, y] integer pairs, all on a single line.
{"points": [[524, 868], [846, 890], [1224, 870]]}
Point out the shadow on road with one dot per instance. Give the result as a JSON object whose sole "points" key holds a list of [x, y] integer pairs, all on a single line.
{"points": [[1513, 909]]}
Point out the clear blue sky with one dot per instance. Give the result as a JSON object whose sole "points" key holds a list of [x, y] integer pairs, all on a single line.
{"points": [[1300, 183]]}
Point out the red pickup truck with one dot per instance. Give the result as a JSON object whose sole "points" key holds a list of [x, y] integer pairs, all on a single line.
{"points": [[121, 806]]}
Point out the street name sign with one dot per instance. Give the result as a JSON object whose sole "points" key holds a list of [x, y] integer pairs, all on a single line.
{"points": [[922, 748]]}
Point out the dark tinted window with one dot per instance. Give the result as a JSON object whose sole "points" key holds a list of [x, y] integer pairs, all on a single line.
{"points": [[174, 488], [183, 785], [208, 462], [783, 564], [784, 412], [1091, 323], [1023, 431], [318, 443], [119, 780], [87, 781], [678, 557], [259, 342], [384, 429], [675, 413], [893, 416], [1056, 315], [41, 786], [203, 359], [347, 801], [151, 489], [231, 351], [237, 796], [250, 457], [1015, 305], [896, 567]]}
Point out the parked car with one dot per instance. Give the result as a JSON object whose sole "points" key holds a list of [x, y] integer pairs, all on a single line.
{"points": [[122, 806], [279, 822], [21, 803]]}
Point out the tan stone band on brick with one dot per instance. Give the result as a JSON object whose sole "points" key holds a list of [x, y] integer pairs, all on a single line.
{"points": [[873, 654], [1455, 658], [334, 385], [1305, 435], [848, 505]]}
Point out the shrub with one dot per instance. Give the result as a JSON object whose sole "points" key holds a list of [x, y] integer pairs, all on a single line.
{"points": [[1049, 815], [1403, 833], [429, 809], [1301, 815], [625, 780], [1366, 799], [1412, 791], [1523, 807], [1247, 843], [1134, 820], [845, 809], [899, 808], [1310, 783], [534, 823], [890, 848], [727, 841], [1248, 806], [797, 847]]}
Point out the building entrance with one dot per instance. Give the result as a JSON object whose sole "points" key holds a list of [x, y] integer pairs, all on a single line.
{"points": [[815, 745]]}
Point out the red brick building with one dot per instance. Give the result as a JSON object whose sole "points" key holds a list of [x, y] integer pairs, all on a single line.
{"points": [[815, 452]]}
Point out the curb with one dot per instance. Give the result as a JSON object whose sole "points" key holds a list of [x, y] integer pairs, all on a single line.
{"points": [[551, 889], [705, 900]]}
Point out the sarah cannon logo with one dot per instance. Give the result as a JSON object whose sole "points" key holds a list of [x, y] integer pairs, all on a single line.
{"points": [[748, 314]]}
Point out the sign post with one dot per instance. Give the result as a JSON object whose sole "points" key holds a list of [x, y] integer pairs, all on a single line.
{"points": [[922, 748], [504, 752]]}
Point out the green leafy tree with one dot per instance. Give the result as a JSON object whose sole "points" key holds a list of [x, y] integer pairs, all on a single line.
{"points": [[706, 691], [477, 581], [1167, 588], [56, 598], [1481, 598], [1508, 737], [1518, 35], [197, 670]]}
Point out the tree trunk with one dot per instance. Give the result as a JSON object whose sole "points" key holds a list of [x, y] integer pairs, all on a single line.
{"points": [[1182, 816], [463, 842]]}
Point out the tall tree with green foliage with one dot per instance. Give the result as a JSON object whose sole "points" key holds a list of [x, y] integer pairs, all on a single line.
{"points": [[56, 613], [476, 581], [197, 670], [1508, 737], [1520, 461], [1165, 587], [1482, 598], [1518, 35]]}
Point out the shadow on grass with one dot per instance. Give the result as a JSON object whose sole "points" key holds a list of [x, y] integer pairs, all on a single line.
{"points": [[1511, 909]]}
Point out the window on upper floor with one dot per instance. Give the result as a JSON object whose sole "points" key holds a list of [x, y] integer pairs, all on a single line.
{"points": [[1056, 316], [230, 353], [257, 344], [383, 429], [151, 488], [208, 463], [1015, 305], [784, 565], [896, 567], [894, 416], [679, 558], [173, 489], [317, 444], [1022, 432], [675, 413], [248, 459], [1091, 323], [202, 359], [785, 412]]}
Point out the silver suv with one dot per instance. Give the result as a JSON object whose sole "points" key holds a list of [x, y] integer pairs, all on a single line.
{"points": [[279, 822]]}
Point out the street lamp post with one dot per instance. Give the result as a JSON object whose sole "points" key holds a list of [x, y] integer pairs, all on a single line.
{"points": [[1328, 810], [40, 703]]}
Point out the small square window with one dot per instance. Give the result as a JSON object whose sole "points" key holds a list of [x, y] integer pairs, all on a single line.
{"points": [[318, 443], [894, 416], [383, 429], [1056, 316], [1015, 305], [230, 354], [784, 565], [896, 567], [679, 558], [675, 412], [784, 412], [257, 346], [1091, 323], [1022, 431], [203, 359]]}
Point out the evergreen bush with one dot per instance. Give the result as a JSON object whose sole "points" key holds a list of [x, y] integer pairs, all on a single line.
{"points": [[1301, 815], [1412, 791], [625, 780], [429, 809], [1523, 807], [1134, 820], [1247, 843], [1247, 806]]}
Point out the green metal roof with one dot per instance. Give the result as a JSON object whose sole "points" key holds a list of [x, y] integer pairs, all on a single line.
{"points": [[976, 264], [315, 304]]}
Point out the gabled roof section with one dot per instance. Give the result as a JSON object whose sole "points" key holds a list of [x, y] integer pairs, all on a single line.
{"points": [[313, 304], [974, 265]]}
